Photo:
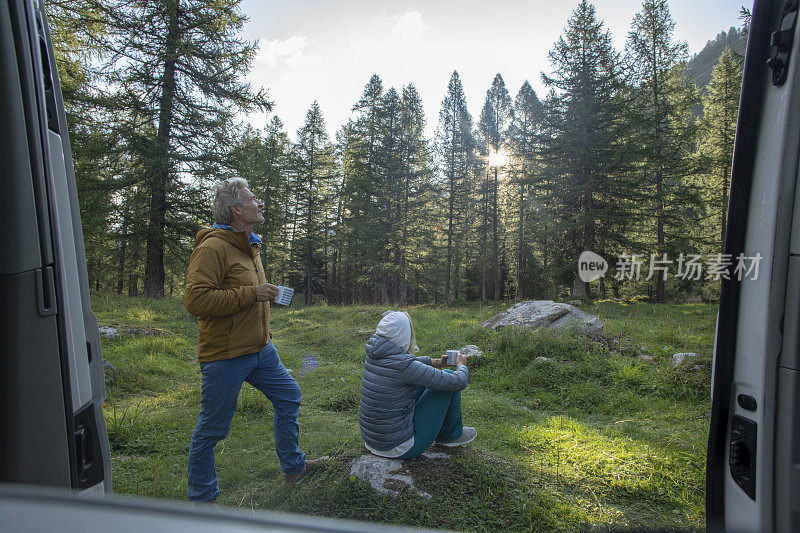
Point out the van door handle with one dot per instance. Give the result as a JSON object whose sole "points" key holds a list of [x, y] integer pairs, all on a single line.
{"points": [[46, 291]]}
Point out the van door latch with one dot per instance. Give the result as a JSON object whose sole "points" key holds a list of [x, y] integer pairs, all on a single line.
{"points": [[781, 41], [742, 454]]}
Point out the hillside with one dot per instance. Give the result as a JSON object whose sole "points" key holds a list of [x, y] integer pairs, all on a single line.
{"points": [[701, 65]]}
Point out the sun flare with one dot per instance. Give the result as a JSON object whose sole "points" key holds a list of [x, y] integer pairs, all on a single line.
{"points": [[497, 158]]}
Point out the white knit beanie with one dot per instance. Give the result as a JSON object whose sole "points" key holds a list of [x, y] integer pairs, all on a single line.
{"points": [[397, 327]]}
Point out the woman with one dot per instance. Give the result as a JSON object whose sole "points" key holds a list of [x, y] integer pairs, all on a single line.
{"points": [[407, 402]]}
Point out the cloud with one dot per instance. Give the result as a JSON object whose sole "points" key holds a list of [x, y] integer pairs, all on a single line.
{"points": [[410, 25], [289, 50]]}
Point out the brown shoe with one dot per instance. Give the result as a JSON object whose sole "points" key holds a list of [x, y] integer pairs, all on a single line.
{"points": [[311, 464]]}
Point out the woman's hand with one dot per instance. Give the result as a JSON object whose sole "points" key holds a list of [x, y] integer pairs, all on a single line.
{"points": [[439, 363]]}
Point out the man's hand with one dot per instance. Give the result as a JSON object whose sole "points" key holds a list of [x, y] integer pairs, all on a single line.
{"points": [[266, 292], [439, 363], [461, 359]]}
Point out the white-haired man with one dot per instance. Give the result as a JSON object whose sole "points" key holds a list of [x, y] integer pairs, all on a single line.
{"points": [[226, 289]]}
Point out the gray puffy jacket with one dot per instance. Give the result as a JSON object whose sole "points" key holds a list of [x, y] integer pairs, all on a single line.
{"points": [[388, 388]]}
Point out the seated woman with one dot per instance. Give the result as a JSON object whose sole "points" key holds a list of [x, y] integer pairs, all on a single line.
{"points": [[407, 402]]}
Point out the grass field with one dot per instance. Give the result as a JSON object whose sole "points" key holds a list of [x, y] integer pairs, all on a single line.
{"points": [[594, 437]]}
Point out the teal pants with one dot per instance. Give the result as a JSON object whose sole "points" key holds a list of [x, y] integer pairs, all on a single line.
{"points": [[437, 416]]}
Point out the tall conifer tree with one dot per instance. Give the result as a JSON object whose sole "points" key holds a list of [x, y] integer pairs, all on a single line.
{"points": [[364, 211], [584, 148], [454, 149], [178, 64], [524, 136], [662, 100], [718, 131], [314, 156], [415, 217], [494, 122]]}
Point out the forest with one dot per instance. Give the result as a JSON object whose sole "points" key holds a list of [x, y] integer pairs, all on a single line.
{"points": [[624, 155]]}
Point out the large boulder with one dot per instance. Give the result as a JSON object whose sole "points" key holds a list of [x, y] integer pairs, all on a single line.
{"points": [[535, 314]]}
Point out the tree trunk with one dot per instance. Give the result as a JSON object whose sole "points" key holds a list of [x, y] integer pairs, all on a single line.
{"points": [[309, 222], [484, 231], [660, 234], [123, 248], [521, 246], [450, 213], [495, 239], [724, 207], [159, 171], [580, 289], [133, 278]]}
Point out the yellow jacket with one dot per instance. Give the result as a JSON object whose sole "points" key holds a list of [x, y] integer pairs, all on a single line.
{"points": [[224, 270]]}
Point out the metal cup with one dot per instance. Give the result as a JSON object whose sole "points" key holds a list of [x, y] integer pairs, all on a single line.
{"points": [[451, 356]]}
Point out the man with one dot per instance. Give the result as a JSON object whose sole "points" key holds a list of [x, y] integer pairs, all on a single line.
{"points": [[227, 290]]}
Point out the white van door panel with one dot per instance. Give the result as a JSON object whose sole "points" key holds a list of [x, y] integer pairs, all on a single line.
{"points": [[755, 415]]}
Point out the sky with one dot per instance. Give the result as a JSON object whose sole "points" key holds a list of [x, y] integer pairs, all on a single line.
{"points": [[326, 50]]}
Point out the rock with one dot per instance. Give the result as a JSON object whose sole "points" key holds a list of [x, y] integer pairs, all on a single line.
{"points": [[544, 359], [108, 332], [435, 455], [575, 302], [382, 475], [646, 358], [111, 332], [678, 358], [535, 314], [470, 350], [145, 332]]}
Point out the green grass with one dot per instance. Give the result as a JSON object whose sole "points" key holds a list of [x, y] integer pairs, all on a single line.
{"points": [[594, 437]]}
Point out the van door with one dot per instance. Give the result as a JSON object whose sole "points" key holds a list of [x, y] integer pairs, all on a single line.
{"points": [[51, 375], [753, 462]]}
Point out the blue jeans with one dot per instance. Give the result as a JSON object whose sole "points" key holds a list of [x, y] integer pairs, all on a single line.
{"points": [[437, 416], [222, 381]]}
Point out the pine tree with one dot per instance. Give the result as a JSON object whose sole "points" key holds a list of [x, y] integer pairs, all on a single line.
{"points": [[524, 170], [276, 192], [364, 220], [718, 130], [178, 65], [314, 156], [454, 149], [415, 217], [662, 100], [495, 120], [584, 142]]}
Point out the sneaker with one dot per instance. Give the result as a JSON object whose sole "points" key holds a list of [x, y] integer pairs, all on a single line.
{"points": [[311, 464], [467, 436]]}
